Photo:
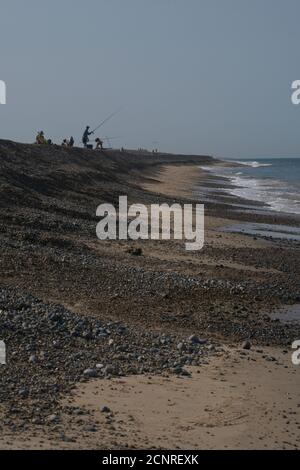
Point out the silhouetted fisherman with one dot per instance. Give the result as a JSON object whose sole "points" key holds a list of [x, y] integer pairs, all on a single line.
{"points": [[40, 138], [71, 141], [99, 144], [86, 134]]}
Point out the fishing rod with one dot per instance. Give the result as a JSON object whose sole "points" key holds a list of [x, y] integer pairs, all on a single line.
{"points": [[110, 138], [106, 138], [107, 119], [102, 138]]}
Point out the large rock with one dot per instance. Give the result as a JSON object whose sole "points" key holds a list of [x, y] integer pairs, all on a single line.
{"points": [[196, 340], [90, 373]]}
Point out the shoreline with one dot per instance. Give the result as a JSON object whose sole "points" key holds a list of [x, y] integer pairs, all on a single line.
{"points": [[188, 181], [236, 190]]}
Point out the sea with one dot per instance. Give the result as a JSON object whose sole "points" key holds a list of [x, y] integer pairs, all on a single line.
{"points": [[273, 181]]}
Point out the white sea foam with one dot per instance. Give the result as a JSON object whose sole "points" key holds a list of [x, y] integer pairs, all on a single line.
{"points": [[275, 194], [252, 164]]}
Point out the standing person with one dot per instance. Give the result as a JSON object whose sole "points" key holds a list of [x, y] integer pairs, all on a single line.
{"points": [[71, 141], [86, 134]]}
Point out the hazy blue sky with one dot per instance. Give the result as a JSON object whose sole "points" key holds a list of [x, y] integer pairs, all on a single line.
{"points": [[196, 76]]}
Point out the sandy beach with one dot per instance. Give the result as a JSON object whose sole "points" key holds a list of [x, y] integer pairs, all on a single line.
{"points": [[168, 349]]}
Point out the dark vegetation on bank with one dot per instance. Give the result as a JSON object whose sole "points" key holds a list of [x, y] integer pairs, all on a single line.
{"points": [[31, 172]]}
